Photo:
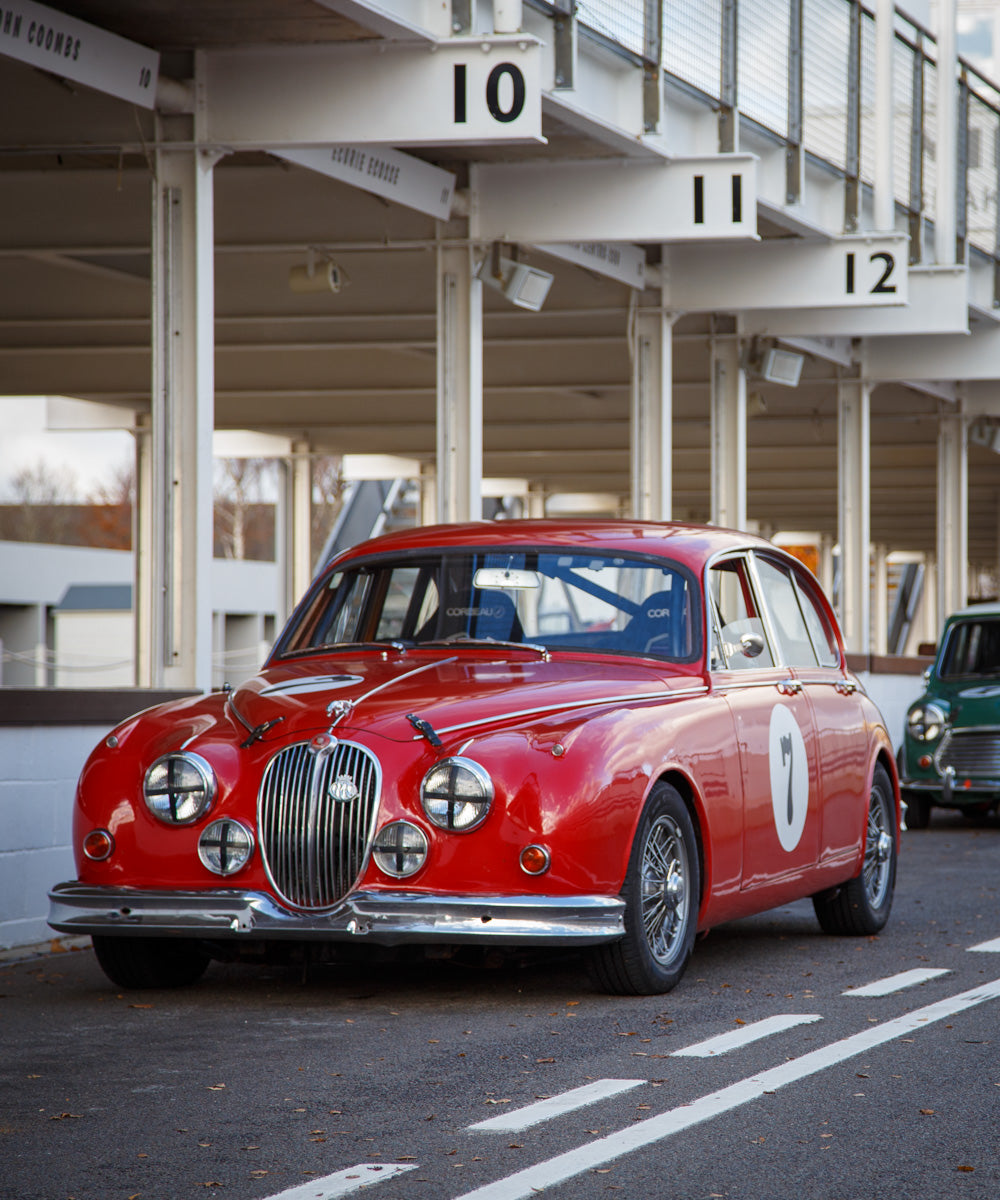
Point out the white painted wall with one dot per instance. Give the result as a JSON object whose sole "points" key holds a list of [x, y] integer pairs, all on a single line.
{"points": [[893, 694], [40, 767]]}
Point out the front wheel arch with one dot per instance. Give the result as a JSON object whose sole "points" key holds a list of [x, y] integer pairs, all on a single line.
{"points": [[662, 892]]}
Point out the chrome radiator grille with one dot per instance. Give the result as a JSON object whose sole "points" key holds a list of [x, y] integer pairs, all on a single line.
{"points": [[971, 753], [315, 818]]}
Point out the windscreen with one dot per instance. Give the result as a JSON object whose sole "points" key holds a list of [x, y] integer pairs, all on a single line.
{"points": [[604, 603], [972, 648]]}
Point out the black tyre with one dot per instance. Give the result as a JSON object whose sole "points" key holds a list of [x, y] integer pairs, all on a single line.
{"points": [[138, 962], [861, 906], [661, 894], [918, 810]]}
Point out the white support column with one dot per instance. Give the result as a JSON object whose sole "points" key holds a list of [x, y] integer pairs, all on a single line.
{"points": [[880, 600], [929, 608], [459, 386], [535, 501], [854, 509], [298, 554], [428, 494], [826, 545], [651, 347], [952, 514], [885, 203], [144, 602], [176, 585], [729, 435], [945, 224]]}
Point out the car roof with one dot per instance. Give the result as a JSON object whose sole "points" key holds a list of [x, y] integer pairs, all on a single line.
{"points": [[988, 609], [686, 543]]}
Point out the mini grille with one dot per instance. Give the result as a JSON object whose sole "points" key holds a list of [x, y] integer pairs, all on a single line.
{"points": [[971, 753], [315, 845]]}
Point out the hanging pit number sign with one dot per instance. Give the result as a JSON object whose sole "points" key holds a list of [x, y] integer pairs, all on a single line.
{"points": [[462, 91], [865, 270], [76, 50]]}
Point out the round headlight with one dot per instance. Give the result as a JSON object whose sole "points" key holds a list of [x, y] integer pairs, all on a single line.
{"points": [[925, 722], [179, 788], [400, 849], [225, 846], [456, 794]]}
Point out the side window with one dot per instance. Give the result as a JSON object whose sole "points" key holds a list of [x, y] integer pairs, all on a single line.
{"points": [[787, 618], [739, 641], [821, 631]]}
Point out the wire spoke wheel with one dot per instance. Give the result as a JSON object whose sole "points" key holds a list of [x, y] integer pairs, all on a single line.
{"points": [[664, 889], [878, 850]]}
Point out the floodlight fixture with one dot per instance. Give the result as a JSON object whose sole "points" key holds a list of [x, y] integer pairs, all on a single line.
{"points": [[319, 274], [782, 366], [523, 286]]}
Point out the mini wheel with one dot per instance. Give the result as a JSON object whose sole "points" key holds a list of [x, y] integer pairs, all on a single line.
{"points": [[143, 962], [861, 906], [661, 894], [918, 810]]}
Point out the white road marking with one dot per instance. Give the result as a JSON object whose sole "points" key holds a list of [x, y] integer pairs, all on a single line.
{"points": [[992, 947], [342, 1183], [555, 1106], [896, 983], [746, 1034], [574, 1162]]}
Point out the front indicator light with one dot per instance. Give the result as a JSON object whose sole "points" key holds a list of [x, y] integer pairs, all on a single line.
{"points": [[225, 846], [535, 860], [98, 845], [179, 788], [456, 794], [400, 849]]}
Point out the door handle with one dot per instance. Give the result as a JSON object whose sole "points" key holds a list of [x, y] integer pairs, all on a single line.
{"points": [[846, 687], [789, 687]]}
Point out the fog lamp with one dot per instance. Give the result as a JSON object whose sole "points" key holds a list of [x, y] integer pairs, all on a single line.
{"points": [[400, 849], [225, 846]]}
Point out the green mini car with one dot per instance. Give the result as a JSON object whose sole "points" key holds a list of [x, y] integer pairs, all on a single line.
{"points": [[951, 743]]}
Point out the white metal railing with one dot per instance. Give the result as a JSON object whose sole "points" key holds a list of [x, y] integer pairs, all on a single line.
{"points": [[737, 54]]}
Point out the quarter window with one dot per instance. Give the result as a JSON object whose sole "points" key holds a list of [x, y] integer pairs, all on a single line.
{"points": [[800, 629], [738, 637]]}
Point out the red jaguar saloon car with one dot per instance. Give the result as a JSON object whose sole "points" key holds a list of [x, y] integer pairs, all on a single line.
{"points": [[607, 735]]}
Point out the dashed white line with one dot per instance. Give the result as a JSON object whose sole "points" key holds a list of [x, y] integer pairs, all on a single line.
{"points": [[557, 1170], [555, 1106], [991, 947], [343, 1183], [896, 983], [738, 1038]]}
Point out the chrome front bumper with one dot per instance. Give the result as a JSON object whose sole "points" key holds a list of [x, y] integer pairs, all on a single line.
{"points": [[384, 918]]}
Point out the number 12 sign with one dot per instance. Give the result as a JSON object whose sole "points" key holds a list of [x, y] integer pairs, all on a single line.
{"points": [[862, 270]]}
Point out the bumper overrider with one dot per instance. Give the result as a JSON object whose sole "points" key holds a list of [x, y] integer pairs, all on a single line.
{"points": [[386, 919]]}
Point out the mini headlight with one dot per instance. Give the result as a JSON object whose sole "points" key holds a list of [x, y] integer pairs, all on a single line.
{"points": [[400, 849], [225, 846], [179, 788], [456, 794], [925, 722]]}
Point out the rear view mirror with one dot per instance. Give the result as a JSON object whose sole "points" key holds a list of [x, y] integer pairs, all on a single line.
{"points": [[505, 577]]}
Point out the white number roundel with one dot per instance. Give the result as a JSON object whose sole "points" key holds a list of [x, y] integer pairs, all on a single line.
{"points": [[789, 776]]}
